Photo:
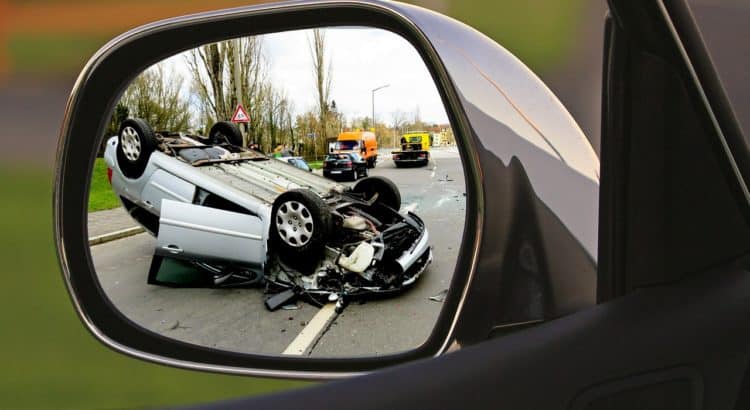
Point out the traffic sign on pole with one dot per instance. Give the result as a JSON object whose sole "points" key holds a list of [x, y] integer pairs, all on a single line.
{"points": [[240, 115]]}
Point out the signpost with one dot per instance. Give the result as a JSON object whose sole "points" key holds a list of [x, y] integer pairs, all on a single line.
{"points": [[240, 115]]}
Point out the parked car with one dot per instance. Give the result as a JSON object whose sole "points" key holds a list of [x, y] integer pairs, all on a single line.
{"points": [[347, 165], [298, 162], [223, 207]]}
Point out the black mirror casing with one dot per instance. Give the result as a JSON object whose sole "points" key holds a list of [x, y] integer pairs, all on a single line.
{"points": [[530, 239]]}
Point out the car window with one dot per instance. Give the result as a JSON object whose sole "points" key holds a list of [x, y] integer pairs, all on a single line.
{"points": [[347, 145]]}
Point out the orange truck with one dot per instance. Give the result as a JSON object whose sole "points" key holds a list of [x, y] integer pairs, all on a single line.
{"points": [[363, 143]]}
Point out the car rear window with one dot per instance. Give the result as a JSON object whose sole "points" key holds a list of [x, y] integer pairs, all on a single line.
{"points": [[334, 157], [347, 145]]}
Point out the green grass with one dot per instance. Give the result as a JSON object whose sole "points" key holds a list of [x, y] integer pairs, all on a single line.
{"points": [[315, 164], [49, 360], [101, 196]]}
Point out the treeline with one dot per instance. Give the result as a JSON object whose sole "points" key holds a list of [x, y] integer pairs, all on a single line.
{"points": [[222, 75]]}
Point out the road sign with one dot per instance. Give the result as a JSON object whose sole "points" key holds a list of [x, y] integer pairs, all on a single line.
{"points": [[240, 115]]}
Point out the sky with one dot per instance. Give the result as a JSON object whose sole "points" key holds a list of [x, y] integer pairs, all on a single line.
{"points": [[362, 59]]}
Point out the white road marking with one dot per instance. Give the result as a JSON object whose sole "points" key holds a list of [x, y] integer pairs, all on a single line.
{"points": [[312, 332]]}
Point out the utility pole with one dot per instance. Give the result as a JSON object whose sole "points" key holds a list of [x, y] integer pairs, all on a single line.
{"points": [[373, 102], [238, 85]]}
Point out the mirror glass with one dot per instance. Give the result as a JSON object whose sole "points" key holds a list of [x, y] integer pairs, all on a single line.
{"points": [[295, 193]]}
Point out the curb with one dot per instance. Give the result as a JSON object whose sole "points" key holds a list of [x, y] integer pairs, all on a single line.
{"points": [[108, 237]]}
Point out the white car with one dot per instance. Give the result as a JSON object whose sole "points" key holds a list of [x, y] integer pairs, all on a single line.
{"points": [[228, 209]]}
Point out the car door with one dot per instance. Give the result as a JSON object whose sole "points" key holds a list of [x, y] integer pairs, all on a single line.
{"points": [[196, 232], [163, 185]]}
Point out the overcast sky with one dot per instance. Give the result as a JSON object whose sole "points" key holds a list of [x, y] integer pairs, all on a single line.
{"points": [[361, 59]]}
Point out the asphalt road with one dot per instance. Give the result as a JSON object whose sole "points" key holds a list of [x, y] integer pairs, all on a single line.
{"points": [[236, 319]]}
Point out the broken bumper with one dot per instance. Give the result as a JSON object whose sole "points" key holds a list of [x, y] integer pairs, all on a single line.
{"points": [[411, 255]]}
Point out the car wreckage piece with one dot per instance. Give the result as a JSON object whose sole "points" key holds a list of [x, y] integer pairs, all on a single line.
{"points": [[244, 219]]}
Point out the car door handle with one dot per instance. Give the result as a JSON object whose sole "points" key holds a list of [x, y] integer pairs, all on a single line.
{"points": [[173, 249]]}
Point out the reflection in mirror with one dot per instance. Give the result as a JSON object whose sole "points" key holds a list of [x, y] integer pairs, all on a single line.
{"points": [[296, 193]]}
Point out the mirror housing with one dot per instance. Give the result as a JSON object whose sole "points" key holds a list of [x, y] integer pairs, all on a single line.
{"points": [[530, 239]]}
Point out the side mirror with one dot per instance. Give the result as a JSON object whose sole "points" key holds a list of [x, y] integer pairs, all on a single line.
{"points": [[512, 237]]}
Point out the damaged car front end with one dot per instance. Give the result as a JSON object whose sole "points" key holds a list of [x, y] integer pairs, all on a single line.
{"points": [[378, 252]]}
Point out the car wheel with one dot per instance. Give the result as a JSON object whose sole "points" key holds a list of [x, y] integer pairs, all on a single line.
{"points": [[387, 191], [135, 143], [353, 177], [366, 173], [300, 226], [225, 131]]}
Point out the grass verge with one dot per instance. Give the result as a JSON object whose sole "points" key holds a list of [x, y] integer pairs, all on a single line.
{"points": [[101, 196]]}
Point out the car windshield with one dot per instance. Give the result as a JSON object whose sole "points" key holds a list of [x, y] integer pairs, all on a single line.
{"points": [[356, 157], [415, 138], [347, 145]]}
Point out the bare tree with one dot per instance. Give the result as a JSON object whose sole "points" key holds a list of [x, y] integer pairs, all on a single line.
{"points": [[398, 124], [322, 72], [156, 96], [208, 67], [213, 77]]}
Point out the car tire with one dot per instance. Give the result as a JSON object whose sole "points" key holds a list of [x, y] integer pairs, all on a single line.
{"points": [[355, 174], [388, 193], [135, 143], [366, 173], [301, 224], [225, 131]]}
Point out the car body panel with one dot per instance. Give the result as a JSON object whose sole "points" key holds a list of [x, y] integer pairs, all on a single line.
{"points": [[195, 232], [251, 184]]}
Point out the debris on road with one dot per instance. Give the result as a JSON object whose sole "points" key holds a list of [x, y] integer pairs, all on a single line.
{"points": [[440, 297]]}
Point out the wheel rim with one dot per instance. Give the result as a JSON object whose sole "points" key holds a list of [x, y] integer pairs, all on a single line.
{"points": [[294, 223], [131, 143]]}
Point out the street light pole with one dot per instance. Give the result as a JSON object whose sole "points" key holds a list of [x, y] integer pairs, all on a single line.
{"points": [[373, 102]]}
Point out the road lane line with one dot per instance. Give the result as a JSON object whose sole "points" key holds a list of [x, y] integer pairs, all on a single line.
{"points": [[312, 332], [108, 237]]}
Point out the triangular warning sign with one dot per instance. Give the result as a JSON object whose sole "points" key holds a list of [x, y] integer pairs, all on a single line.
{"points": [[240, 115]]}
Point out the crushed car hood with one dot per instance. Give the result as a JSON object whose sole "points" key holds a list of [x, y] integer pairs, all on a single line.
{"points": [[267, 178]]}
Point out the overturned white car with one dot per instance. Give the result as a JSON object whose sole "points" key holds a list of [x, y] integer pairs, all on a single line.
{"points": [[245, 218]]}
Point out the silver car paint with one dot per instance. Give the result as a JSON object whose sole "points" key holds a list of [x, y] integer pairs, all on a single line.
{"points": [[203, 233]]}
